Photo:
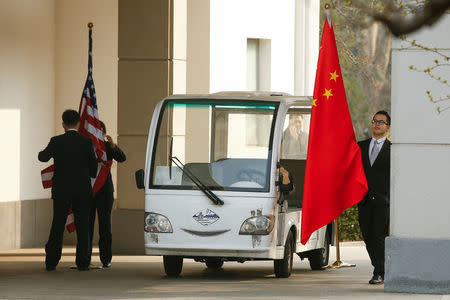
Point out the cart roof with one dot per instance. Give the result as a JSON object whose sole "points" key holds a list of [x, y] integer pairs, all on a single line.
{"points": [[256, 96]]}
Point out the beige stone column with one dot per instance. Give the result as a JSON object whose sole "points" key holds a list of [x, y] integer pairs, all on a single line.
{"points": [[152, 66]]}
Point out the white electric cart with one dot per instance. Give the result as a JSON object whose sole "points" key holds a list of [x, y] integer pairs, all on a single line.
{"points": [[212, 181]]}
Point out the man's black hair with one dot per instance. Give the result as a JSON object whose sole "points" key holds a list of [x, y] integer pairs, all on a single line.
{"points": [[384, 113], [103, 126], [70, 117]]}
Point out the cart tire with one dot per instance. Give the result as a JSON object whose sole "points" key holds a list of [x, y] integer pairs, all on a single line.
{"points": [[214, 263], [283, 267], [173, 265], [318, 258]]}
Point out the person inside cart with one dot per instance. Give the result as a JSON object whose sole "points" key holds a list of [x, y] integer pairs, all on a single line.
{"points": [[294, 143]]}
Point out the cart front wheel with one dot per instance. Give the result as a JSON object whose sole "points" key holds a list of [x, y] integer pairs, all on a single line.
{"points": [[283, 267], [173, 265]]}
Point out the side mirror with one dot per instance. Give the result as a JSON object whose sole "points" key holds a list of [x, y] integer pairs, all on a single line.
{"points": [[139, 174]]}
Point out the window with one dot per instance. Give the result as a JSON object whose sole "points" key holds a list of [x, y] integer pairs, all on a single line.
{"points": [[258, 64], [207, 138], [294, 142]]}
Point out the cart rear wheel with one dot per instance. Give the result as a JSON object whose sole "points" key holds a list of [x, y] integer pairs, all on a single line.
{"points": [[214, 263], [283, 267], [173, 265], [318, 258]]}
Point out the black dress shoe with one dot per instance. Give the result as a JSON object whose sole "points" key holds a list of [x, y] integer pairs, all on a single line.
{"points": [[107, 265], [83, 268], [50, 268], [376, 279]]}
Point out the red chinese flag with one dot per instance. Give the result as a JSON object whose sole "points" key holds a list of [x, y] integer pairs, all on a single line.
{"points": [[334, 176]]}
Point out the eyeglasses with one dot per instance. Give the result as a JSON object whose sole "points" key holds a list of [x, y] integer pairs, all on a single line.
{"points": [[379, 122]]}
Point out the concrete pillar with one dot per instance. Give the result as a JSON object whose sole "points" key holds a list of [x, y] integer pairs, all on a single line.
{"points": [[198, 47], [417, 252], [152, 65]]}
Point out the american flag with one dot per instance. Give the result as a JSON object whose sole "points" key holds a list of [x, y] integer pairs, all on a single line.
{"points": [[90, 124], [46, 176], [90, 127]]}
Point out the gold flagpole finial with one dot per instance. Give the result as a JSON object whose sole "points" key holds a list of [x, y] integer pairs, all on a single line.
{"points": [[327, 6], [90, 24]]}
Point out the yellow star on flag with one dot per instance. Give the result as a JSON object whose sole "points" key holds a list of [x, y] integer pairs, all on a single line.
{"points": [[314, 102], [327, 93], [334, 76]]}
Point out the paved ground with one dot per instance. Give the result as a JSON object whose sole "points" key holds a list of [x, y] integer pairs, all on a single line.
{"points": [[22, 276]]}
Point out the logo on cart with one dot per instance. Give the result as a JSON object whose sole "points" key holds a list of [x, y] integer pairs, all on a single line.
{"points": [[206, 217]]}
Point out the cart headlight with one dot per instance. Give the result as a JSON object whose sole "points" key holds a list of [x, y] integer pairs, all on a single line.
{"points": [[157, 223], [259, 225]]}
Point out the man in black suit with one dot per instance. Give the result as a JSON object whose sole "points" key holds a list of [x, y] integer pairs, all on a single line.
{"points": [[373, 210], [75, 164], [103, 203]]}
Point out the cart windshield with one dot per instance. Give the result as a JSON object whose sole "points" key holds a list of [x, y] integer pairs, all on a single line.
{"points": [[227, 145]]}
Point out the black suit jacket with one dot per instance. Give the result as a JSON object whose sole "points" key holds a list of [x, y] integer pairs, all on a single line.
{"points": [[378, 175], [112, 153], [75, 164]]}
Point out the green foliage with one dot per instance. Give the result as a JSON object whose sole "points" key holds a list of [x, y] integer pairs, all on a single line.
{"points": [[349, 225]]}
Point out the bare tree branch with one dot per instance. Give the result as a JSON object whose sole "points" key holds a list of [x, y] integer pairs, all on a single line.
{"points": [[398, 24]]}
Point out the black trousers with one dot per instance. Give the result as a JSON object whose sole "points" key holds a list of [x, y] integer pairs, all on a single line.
{"points": [[102, 205], [53, 248], [373, 215]]}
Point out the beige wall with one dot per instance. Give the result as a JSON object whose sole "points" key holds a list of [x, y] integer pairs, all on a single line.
{"points": [[26, 112], [26, 94], [71, 58], [43, 66]]}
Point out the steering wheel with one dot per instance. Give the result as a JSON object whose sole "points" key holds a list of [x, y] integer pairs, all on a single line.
{"points": [[246, 184], [250, 178]]}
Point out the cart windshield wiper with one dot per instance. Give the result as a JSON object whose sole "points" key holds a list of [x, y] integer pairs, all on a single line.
{"points": [[206, 190]]}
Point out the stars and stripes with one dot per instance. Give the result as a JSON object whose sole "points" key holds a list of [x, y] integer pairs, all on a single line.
{"points": [[46, 176], [90, 124]]}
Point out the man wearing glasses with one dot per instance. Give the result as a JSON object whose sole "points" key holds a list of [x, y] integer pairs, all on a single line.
{"points": [[373, 210]]}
